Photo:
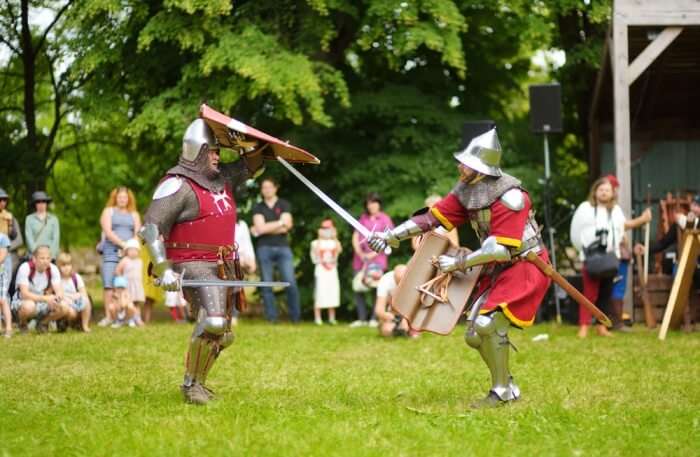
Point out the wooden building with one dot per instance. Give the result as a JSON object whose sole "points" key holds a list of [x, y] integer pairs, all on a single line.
{"points": [[645, 113]]}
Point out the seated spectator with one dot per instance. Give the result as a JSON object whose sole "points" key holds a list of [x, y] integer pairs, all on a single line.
{"points": [[124, 306], [39, 293], [391, 324], [74, 294], [42, 227], [5, 276]]}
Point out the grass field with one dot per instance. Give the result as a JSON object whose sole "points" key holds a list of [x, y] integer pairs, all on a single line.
{"points": [[303, 390]]}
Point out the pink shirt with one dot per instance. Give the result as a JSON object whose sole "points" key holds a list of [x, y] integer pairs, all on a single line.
{"points": [[379, 222]]}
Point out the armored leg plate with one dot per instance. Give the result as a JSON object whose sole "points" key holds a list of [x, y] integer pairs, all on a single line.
{"points": [[489, 335]]}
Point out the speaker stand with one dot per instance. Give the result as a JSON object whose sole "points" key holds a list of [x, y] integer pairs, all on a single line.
{"points": [[548, 219]]}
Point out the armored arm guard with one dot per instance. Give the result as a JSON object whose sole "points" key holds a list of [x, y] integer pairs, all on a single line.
{"points": [[378, 241], [490, 251], [422, 221], [150, 237]]}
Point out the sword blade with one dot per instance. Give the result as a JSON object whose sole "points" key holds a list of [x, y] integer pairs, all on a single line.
{"points": [[230, 283], [326, 199]]}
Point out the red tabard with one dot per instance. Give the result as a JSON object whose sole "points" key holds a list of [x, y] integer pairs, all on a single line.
{"points": [[214, 225]]}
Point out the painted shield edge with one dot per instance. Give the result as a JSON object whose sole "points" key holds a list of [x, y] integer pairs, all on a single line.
{"points": [[405, 309], [219, 122]]}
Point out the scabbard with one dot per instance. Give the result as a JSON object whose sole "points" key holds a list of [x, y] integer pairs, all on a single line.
{"points": [[548, 270]]}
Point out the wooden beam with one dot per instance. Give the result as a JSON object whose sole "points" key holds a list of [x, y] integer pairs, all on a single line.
{"points": [[656, 6], [678, 299], [651, 52], [622, 113], [651, 19]]}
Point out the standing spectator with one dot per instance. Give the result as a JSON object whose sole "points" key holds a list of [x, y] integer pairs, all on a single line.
{"points": [[41, 227], [324, 254], [131, 267], [120, 222], [39, 293], [599, 221], [124, 305], [246, 254], [175, 300], [10, 227], [620, 284], [75, 295], [364, 258], [5, 274], [272, 221], [153, 294], [245, 247]]}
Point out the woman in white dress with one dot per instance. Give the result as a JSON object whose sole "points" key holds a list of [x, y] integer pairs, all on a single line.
{"points": [[324, 254]]}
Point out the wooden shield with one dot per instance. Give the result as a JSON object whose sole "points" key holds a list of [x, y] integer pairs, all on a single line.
{"points": [[232, 133], [424, 312]]}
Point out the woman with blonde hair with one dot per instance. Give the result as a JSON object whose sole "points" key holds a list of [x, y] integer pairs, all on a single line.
{"points": [[120, 222]]}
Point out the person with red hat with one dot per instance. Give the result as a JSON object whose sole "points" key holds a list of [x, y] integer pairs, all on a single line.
{"points": [[324, 254], [599, 224]]}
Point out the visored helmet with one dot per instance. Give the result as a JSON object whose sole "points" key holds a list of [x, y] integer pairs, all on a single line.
{"points": [[483, 154]]}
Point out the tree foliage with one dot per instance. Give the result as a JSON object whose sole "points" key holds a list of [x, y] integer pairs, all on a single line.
{"points": [[378, 89]]}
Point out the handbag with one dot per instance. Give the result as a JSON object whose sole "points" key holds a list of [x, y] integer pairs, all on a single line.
{"points": [[599, 262]]}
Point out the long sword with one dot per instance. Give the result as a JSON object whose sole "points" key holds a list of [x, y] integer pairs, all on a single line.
{"points": [[230, 283], [330, 202]]}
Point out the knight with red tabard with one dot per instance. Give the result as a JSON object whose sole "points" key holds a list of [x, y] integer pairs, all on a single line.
{"points": [[510, 289]]}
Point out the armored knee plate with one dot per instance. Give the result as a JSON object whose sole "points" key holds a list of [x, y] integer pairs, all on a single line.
{"points": [[211, 335], [214, 325]]}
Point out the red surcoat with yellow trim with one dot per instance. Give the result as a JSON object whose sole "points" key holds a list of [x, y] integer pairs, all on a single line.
{"points": [[518, 289]]}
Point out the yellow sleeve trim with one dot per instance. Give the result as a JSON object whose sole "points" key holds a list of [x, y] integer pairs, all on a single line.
{"points": [[514, 320], [509, 241], [443, 220]]}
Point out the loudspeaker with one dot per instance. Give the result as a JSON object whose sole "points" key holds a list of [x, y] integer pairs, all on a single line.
{"points": [[472, 129], [545, 108]]}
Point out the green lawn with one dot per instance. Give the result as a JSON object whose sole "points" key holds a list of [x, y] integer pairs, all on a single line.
{"points": [[302, 390]]}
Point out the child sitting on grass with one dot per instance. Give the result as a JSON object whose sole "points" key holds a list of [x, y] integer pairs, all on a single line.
{"points": [[123, 303], [74, 293]]}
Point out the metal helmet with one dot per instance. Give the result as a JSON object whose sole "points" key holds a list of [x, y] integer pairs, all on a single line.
{"points": [[483, 154], [3, 194], [197, 135]]}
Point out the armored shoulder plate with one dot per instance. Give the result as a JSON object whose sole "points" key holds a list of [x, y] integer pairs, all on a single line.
{"points": [[168, 187], [513, 199]]}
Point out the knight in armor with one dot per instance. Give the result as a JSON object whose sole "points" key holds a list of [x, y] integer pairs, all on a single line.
{"points": [[189, 229], [510, 289]]}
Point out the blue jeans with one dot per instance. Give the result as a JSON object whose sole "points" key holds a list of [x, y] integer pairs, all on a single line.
{"points": [[282, 256]]}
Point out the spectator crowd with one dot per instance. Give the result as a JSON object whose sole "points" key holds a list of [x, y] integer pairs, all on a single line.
{"points": [[41, 289]]}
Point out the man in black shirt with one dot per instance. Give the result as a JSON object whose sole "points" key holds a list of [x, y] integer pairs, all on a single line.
{"points": [[272, 220]]}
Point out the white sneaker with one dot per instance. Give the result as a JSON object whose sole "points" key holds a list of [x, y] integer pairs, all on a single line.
{"points": [[132, 323], [318, 322], [104, 322], [357, 324], [116, 324], [373, 323]]}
